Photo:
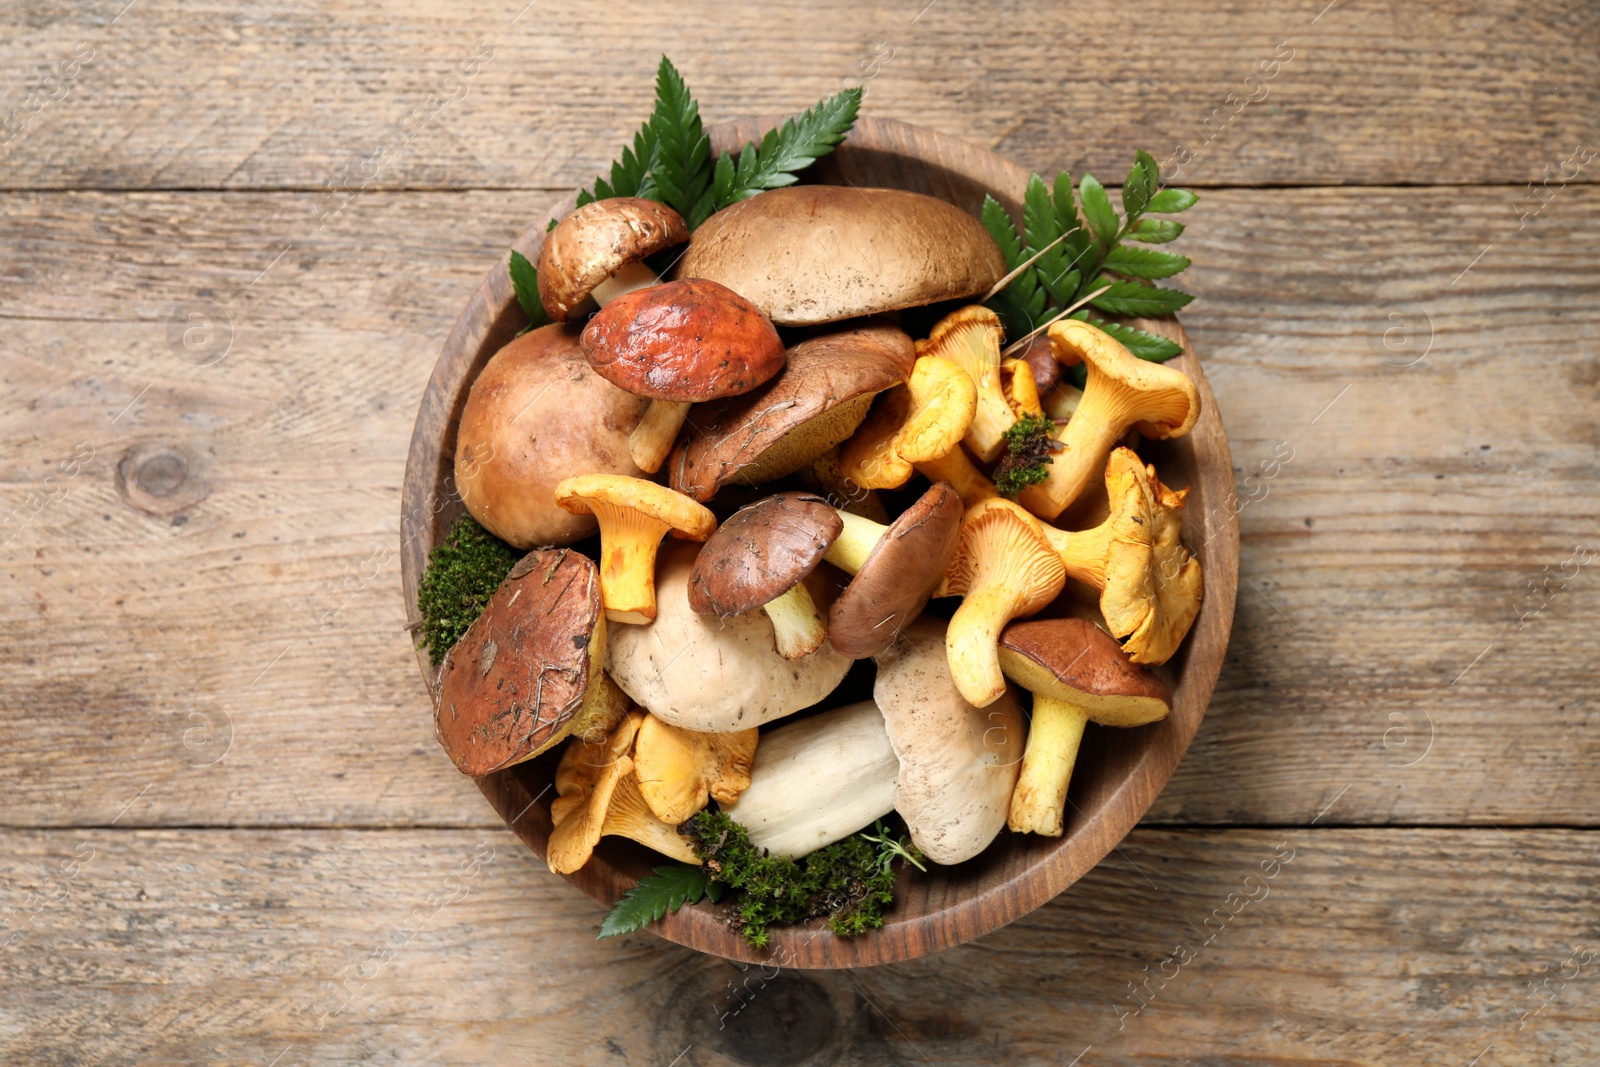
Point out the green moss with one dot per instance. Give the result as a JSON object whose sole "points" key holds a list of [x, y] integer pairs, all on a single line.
{"points": [[1028, 448], [463, 573], [849, 882]]}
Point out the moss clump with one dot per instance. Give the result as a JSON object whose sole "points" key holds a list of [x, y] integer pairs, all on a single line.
{"points": [[1028, 448], [849, 882], [463, 573]]}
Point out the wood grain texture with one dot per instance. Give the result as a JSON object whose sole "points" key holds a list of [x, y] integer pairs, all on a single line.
{"points": [[487, 93], [1365, 947]]}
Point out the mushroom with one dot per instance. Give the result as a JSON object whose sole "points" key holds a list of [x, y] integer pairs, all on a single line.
{"points": [[1150, 584], [896, 569], [818, 781], [1019, 387], [715, 675], [1004, 568], [970, 338], [1076, 673], [758, 558], [1121, 391], [918, 422], [680, 343], [958, 763], [634, 516], [678, 770], [599, 250], [811, 254], [596, 795], [528, 672], [537, 414], [817, 401], [957, 468]]}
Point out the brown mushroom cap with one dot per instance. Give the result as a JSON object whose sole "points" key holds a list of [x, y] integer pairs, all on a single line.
{"points": [[1075, 661], [761, 552], [898, 576], [529, 670], [810, 254], [683, 341], [596, 241], [537, 415], [817, 401]]}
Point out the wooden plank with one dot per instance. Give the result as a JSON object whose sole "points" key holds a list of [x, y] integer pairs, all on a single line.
{"points": [[1384, 564], [1285, 947], [489, 93]]}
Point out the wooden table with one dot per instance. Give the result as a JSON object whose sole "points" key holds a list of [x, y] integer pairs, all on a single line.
{"points": [[232, 238]]}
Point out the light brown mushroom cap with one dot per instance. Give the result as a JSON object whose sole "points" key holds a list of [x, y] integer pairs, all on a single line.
{"points": [[595, 242], [680, 770], [811, 254], [918, 422], [1075, 661], [958, 763]]}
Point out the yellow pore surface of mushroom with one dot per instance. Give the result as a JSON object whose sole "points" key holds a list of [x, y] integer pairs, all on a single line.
{"points": [[1121, 391], [1150, 584], [678, 770], [1005, 568], [634, 516], [919, 421], [970, 338]]}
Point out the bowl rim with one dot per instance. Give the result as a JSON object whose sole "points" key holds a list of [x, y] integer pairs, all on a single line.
{"points": [[1027, 884]]}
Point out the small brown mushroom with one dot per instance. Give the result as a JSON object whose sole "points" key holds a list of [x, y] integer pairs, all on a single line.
{"points": [[680, 770], [599, 250], [758, 558], [680, 343], [529, 671]]}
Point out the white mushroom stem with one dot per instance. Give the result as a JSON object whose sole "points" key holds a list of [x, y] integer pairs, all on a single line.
{"points": [[652, 439], [797, 625], [632, 276], [851, 548], [1040, 799]]}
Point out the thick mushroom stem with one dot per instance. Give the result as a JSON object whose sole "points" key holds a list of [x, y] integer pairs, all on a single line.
{"points": [[630, 277], [1083, 553], [963, 475], [628, 543], [652, 440], [971, 639], [851, 548], [1040, 798], [797, 625]]}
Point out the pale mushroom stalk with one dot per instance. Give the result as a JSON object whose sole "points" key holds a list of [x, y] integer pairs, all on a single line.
{"points": [[797, 625], [851, 548], [630, 276], [651, 441]]}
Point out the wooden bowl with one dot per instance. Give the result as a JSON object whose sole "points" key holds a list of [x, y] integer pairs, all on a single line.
{"points": [[1119, 772]]}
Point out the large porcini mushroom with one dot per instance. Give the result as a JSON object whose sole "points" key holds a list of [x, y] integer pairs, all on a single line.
{"points": [[600, 249], [1150, 584], [817, 401], [680, 343], [634, 516], [896, 568], [1121, 391], [537, 414], [818, 781], [918, 422], [680, 770], [811, 254], [715, 675], [1004, 568], [958, 763], [759, 557], [970, 338], [1076, 673], [597, 794], [529, 671]]}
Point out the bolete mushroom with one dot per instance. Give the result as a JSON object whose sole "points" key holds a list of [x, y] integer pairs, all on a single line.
{"points": [[597, 794], [918, 422], [680, 343], [680, 770], [715, 675], [1004, 568], [600, 249], [1121, 391], [818, 781], [537, 414], [1076, 673], [817, 401], [758, 559], [634, 516], [958, 763], [1150, 584], [970, 338], [896, 568], [811, 254], [528, 672]]}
